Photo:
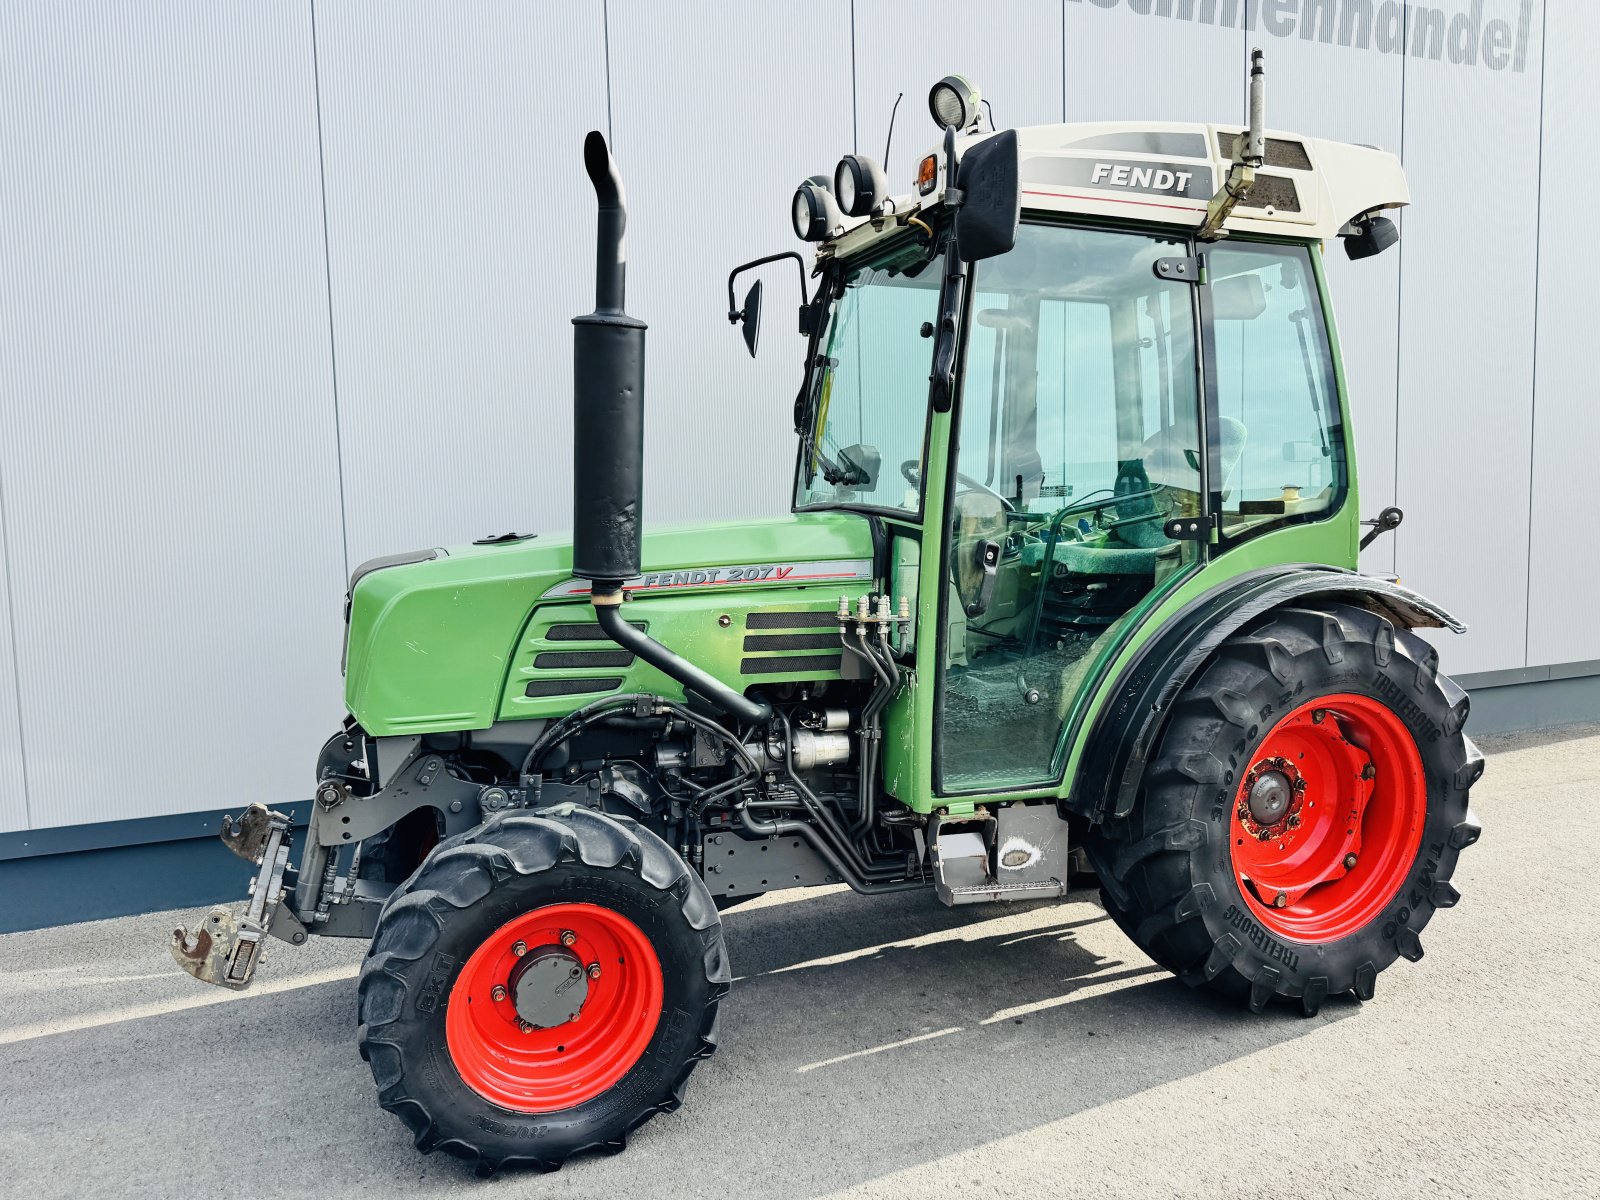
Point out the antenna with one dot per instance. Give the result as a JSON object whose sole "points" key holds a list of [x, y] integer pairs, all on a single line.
{"points": [[1249, 152], [889, 141]]}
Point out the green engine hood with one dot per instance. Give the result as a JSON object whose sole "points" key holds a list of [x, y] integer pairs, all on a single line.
{"points": [[433, 645]]}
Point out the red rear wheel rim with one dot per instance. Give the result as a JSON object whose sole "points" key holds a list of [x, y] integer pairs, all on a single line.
{"points": [[1328, 818], [536, 1070]]}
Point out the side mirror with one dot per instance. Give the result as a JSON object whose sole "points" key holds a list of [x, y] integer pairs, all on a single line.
{"points": [[986, 222], [1371, 237], [863, 463], [750, 316]]}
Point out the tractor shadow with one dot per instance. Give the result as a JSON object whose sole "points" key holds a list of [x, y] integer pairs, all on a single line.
{"points": [[861, 1037]]}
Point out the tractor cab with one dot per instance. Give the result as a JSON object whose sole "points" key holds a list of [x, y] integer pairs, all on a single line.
{"points": [[1138, 392]]}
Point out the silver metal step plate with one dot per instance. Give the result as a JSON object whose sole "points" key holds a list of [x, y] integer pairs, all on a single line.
{"points": [[1019, 853]]}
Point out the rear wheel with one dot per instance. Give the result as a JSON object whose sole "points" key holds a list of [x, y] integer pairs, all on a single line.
{"points": [[542, 985], [1301, 819]]}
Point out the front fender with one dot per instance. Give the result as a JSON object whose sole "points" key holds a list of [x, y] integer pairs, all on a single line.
{"points": [[1121, 739]]}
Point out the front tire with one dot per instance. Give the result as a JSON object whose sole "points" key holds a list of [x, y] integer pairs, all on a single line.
{"points": [[1301, 818], [541, 986]]}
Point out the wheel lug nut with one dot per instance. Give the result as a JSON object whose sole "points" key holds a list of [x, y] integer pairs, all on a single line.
{"points": [[524, 1026], [499, 992], [1281, 899], [1318, 716], [519, 949], [594, 970], [1349, 862], [568, 937]]}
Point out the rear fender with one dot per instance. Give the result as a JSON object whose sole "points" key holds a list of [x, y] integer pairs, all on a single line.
{"points": [[1125, 731]]}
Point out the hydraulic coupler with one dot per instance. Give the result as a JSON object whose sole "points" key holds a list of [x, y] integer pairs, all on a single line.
{"points": [[226, 947]]}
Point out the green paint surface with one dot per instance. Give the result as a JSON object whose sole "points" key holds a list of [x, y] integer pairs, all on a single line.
{"points": [[448, 644]]}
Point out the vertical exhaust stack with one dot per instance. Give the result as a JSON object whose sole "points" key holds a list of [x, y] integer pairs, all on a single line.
{"points": [[608, 417], [608, 445]]}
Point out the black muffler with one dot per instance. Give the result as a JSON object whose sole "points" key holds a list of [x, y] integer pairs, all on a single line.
{"points": [[608, 445]]}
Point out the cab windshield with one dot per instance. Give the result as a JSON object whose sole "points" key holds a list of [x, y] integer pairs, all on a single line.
{"points": [[863, 417]]}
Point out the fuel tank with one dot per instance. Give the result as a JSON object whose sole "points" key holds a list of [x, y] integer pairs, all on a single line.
{"points": [[459, 638]]}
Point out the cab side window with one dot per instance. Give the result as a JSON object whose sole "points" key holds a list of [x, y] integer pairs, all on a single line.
{"points": [[1280, 441]]}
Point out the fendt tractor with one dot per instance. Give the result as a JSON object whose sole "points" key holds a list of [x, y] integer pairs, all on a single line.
{"points": [[1069, 585]]}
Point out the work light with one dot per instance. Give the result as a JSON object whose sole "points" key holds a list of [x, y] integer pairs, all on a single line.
{"points": [[859, 185], [953, 101], [814, 211]]}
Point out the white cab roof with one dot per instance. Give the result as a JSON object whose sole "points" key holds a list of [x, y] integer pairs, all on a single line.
{"points": [[1309, 188]]}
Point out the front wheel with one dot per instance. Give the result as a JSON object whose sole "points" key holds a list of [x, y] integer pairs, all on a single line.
{"points": [[1302, 816], [542, 985]]}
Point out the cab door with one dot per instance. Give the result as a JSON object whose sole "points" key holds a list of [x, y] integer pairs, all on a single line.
{"points": [[1076, 439]]}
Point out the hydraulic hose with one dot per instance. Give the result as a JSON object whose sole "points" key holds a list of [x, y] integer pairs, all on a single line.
{"points": [[809, 832]]}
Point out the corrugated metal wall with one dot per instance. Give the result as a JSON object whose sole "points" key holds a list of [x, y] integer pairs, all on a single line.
{"points": [[286, 286]]}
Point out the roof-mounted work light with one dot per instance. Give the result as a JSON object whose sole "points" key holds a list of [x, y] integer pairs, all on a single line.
{"points": [[953, 101], [815, 213], [859, 185]]}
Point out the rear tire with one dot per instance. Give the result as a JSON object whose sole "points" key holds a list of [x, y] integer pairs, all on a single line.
{"points": [[451, 1060], [1348, 708]]}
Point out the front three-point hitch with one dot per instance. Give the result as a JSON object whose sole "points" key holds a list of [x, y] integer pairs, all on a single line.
{"points": [[226, 948]]}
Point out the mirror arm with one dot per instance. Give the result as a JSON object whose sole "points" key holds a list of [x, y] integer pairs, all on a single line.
{"points": [[735, 313], [955, 272]]}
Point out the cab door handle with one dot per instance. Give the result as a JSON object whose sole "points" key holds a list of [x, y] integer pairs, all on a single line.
{"points": [[987, 555]]}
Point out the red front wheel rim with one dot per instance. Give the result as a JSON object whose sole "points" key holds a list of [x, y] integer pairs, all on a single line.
{"points": [[1328, 818], [534, 1069]]}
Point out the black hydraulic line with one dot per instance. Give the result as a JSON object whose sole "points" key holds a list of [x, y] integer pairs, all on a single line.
{"points": [[843, 843], [871, 736], [807, 831]]}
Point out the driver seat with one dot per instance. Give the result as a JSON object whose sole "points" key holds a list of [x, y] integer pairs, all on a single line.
{"points": [[1166, 466]]}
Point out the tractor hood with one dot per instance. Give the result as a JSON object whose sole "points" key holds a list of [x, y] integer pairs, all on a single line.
{"points": [[433, 636]]}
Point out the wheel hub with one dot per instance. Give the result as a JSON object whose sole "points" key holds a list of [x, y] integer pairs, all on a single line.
{"points": [[548, 987], [554, 1007], [1328, 818], [1270, 799]]}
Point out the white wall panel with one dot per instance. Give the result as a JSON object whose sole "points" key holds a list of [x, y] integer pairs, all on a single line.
{"points": [[717, 119], [1303, 75], [13, 782], [460, 225], [170, 462], [1123, 65], [1565, 564], [1013, 53], [1466, 345]]}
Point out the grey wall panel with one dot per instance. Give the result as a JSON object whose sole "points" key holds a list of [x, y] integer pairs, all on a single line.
{"points": [[1303, 73], [1565, 568], [714, 130], [1466, 345], [13, 782], [1015, 61], [460, 227], [170, 460], [1123, 65]]}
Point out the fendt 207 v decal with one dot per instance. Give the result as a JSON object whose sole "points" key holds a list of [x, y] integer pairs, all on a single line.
{"points": [[838, 570]]}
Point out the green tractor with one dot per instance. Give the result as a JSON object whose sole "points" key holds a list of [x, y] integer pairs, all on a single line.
{"points": [[1070, 585]]}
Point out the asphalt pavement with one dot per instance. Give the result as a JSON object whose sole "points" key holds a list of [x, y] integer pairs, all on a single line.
{"points": [[893, 1048]]}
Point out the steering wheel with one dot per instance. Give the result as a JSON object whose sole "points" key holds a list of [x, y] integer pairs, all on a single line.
{"points": [[912, 471]]}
